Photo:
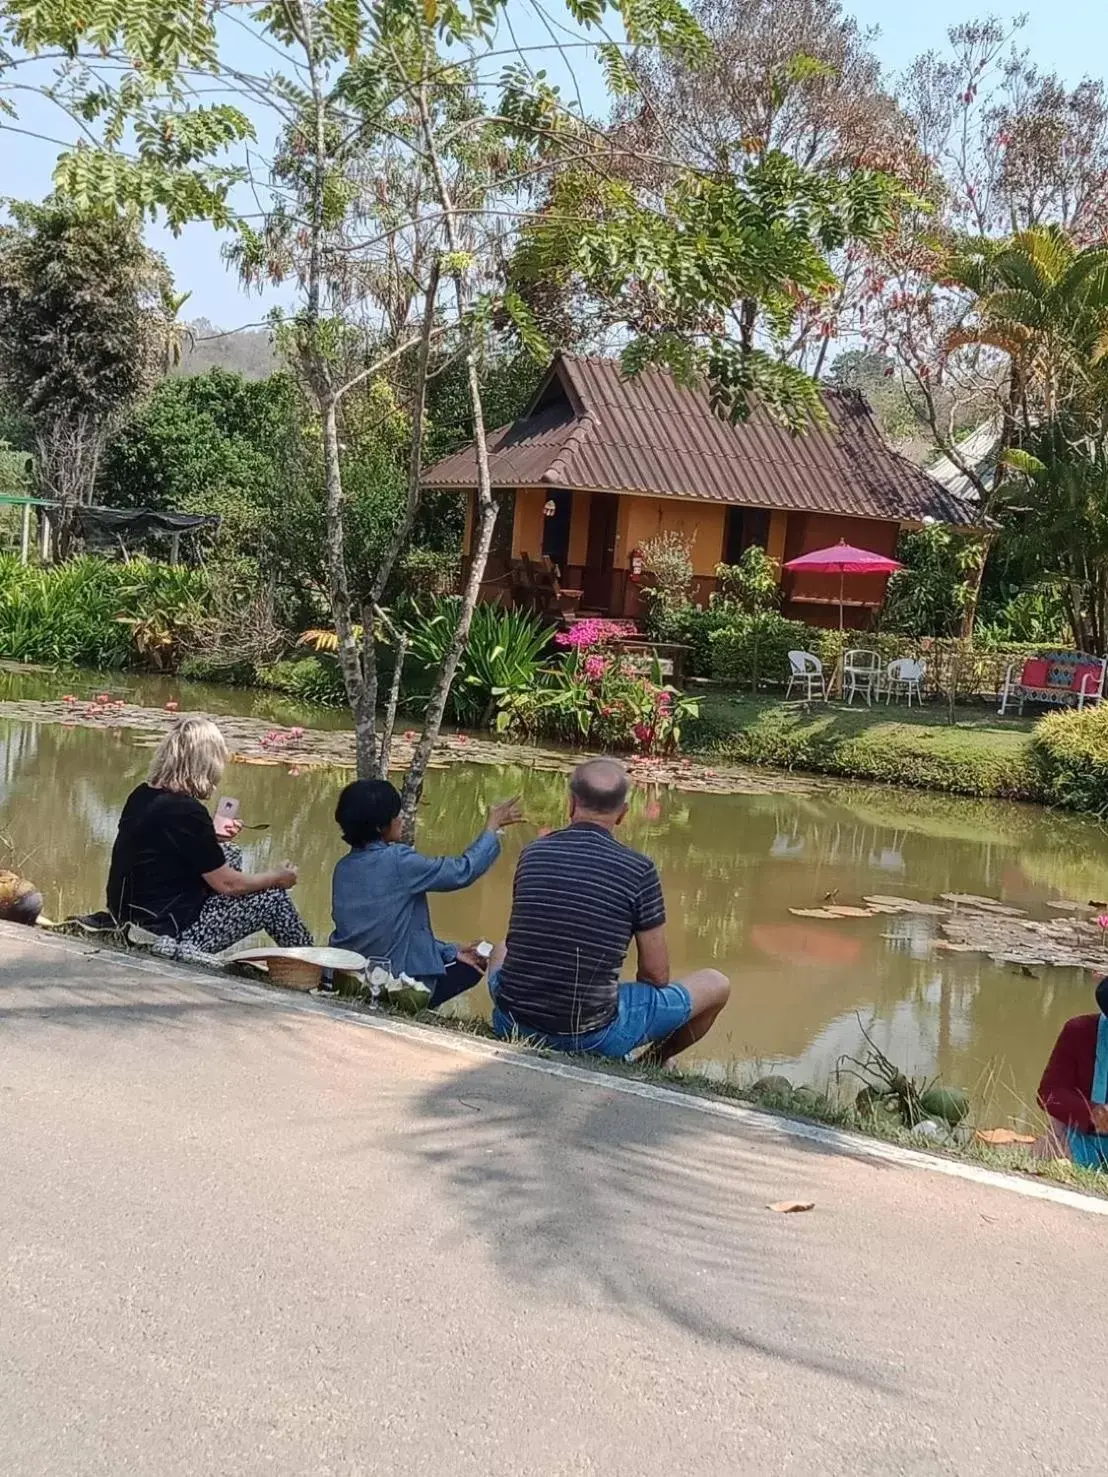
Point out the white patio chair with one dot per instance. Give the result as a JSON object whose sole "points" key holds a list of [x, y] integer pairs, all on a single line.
{"points": [[806, 670], [861, 673], [904, 677]]}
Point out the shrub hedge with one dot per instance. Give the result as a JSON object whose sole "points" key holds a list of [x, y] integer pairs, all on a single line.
{"points": [[1070, 754], [94, 612], [310, 679], [973, 671]]}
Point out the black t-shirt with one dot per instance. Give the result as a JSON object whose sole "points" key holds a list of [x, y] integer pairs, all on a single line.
{"points": [[166, 843], [579, 898]]}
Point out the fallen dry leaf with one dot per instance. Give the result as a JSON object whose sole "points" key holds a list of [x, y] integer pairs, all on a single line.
{"points": [[791, 1207], [1000, 1137]]}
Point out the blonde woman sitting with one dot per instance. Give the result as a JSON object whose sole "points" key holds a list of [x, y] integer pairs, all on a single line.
{"points": [[174, 871]]}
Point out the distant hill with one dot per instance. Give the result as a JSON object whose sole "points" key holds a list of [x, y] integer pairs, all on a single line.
{"points": [[250, 351]]}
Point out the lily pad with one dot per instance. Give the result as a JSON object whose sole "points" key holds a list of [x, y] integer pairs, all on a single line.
{"points": [[813, 913], [908, 905], [982, 904]]}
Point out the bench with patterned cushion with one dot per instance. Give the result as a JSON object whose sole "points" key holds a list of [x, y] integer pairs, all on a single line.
{"points": [[1060, 679]]}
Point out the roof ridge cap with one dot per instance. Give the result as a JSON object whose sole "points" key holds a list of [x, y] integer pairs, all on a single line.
{"points": [[557, 471]]}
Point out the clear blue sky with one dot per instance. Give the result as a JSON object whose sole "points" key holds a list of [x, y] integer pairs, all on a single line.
{"points": [[1067, 36]]}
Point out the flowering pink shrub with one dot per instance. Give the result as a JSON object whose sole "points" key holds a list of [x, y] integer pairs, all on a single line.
{"points": [[602, 700], [594, 633]]}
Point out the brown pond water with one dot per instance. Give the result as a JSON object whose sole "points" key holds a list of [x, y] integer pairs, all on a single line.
{"points": [[732, 867]]}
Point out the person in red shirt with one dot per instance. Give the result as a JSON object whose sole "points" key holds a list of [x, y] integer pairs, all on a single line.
{"points": [[1074, 1087]]}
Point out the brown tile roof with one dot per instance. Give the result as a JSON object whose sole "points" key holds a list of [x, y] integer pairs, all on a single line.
{"points": [[650, 435]]}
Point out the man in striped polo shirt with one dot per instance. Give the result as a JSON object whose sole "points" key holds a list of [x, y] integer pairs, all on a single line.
{"points": [[580, 897]]}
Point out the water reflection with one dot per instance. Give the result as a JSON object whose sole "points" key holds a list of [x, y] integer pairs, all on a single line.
{"points": [[732, 868]]}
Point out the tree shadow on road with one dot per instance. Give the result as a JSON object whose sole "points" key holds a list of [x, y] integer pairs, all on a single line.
{"points": [[585, 1193]]}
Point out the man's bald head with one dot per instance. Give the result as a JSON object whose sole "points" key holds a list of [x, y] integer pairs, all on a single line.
{"points": [[599, 786]]}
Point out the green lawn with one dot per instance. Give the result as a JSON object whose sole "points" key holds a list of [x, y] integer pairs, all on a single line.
{"points": [[979, 754]]}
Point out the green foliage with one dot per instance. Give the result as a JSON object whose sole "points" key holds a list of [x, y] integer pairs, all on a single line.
{"points": [[743, 245], [668, 559], [753, 584], [311, 679], [93, 613], [1071, 755], [1036, 616], [1058, 506], [601, 699], [15, 469], [979, 755], [245, 450], [208, 443], [751, 650], [502, 657], [82, 331], [422, 572], [507, 384], [119, 70], [928, 596]]}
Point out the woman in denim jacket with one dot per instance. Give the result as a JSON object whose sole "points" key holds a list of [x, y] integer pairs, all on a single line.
{"points": [[379, 890]]}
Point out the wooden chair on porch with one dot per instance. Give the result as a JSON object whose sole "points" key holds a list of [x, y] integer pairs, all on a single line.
{"points": [[541, 585]]}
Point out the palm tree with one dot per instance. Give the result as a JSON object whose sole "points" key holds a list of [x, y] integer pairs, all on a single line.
{"points": [[1039, 301], [1042, 301]]}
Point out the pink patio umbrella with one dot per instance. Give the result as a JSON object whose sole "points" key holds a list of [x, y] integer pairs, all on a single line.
{"points": [[843, 559]]}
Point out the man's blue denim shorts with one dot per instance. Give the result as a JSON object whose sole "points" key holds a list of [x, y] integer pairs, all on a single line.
{"points": [[646, 1014]]}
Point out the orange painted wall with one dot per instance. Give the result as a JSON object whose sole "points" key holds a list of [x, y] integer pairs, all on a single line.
{"points": [[809, 531], [643, 518], [527, 528]]}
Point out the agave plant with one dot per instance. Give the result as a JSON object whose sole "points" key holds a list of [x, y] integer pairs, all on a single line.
{"points": [[503, 655]]}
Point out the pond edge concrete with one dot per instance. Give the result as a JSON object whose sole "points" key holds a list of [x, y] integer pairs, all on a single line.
{"points": [[835, 1139]]}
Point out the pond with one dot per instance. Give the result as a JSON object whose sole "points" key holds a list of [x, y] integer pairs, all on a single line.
{"points": [[732, 867]]}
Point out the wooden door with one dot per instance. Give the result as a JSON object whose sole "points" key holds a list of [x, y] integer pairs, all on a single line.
{"points": [[597, 581]]}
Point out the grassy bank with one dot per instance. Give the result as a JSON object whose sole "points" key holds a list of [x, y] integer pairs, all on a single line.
{"points": [[979, 754], [1060, 759]]}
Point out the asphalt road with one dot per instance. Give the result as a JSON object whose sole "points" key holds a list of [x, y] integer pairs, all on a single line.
{"points": [[240, 1238]]}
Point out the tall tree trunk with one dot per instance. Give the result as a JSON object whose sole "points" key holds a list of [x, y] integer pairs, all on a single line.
{"points": [[403, 529], [973, 587], [318, 371], [390, 712], [338, 591], [486, 506], [436, 707]]}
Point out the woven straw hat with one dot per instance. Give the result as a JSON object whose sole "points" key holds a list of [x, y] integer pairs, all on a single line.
{"points": [[300, 969]]}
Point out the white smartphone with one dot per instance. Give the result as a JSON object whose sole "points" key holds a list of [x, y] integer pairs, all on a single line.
{"points": [[227, 809], [484, 950]]}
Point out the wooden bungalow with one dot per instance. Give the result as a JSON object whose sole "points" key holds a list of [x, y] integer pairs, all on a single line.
{"points": [[599, 464]]}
